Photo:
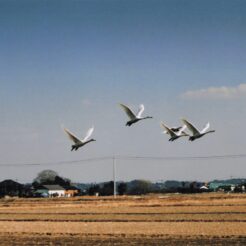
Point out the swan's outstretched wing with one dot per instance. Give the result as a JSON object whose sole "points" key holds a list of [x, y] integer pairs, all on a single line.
{"points": [[205, 128], [88, 134], [140, 111], [191, 127], [181, 130], [128, 111], [168, 130], [72, 136], [164, 128]]}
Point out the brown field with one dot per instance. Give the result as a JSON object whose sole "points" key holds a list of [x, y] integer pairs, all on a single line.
{"points": [[205, 219]]}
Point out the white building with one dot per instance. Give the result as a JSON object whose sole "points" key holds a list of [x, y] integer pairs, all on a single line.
{"points": [[55, 190]]}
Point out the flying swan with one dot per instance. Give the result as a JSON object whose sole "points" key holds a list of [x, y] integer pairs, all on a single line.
{"points": [[134, 117], [195, 132], [78, 142], [174, 132]]}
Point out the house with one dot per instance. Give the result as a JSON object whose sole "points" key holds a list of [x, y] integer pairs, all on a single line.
{"points": [[54, 190]]}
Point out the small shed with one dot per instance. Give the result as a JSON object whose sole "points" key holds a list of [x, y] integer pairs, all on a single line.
{"points": [[41, 192], [71, 191], [204, 188]]}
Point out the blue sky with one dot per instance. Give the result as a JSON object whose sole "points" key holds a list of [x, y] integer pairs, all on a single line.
{"points": [[71, 62]]}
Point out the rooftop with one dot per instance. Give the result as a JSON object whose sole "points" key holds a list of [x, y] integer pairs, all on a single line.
{"points": [[53, 187]]}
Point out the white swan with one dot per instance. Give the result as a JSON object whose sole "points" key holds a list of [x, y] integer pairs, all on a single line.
{"points": [[134, 117], [175, 132], [78, 142], [195, 132]]}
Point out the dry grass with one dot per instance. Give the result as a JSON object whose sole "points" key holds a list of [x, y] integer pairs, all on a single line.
{"points": [[219, 216], [129, 228], [126, 217]]}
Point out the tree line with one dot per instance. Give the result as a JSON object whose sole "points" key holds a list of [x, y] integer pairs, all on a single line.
{"points": [[135, 187]]}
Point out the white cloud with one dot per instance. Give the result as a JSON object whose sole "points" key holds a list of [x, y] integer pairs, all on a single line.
{"points": [[222, 92]]}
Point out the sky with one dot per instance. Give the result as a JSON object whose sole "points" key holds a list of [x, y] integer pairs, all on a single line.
{"points": [[71, 62]]}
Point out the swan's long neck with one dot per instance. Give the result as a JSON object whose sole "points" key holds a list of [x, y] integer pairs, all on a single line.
{"points": [[209, 131], [89, 141], [147, 117]]}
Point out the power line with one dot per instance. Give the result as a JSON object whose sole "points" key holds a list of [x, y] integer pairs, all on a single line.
{"points": [[57, 162], [128, 158]]}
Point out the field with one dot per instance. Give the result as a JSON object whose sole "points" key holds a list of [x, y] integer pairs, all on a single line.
{"points": [[173, 219]]}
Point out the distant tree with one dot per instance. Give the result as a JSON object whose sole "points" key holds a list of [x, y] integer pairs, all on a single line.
{"points": [[35, 184], [122, 188], [173, 185], [139, 187], [62, 181], [11, 188], [93, 189], [107, 189], [46, 177], [192, 187], [50, 177]]}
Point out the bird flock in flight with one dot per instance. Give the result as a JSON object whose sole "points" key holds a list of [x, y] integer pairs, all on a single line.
{"points": [[173, 132]]}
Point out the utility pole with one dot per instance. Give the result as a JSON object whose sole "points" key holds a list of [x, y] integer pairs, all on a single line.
{"points": [[114, 174]]}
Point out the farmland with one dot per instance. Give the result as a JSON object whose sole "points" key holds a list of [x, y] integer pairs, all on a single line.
{"points": [[171, 219]]}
